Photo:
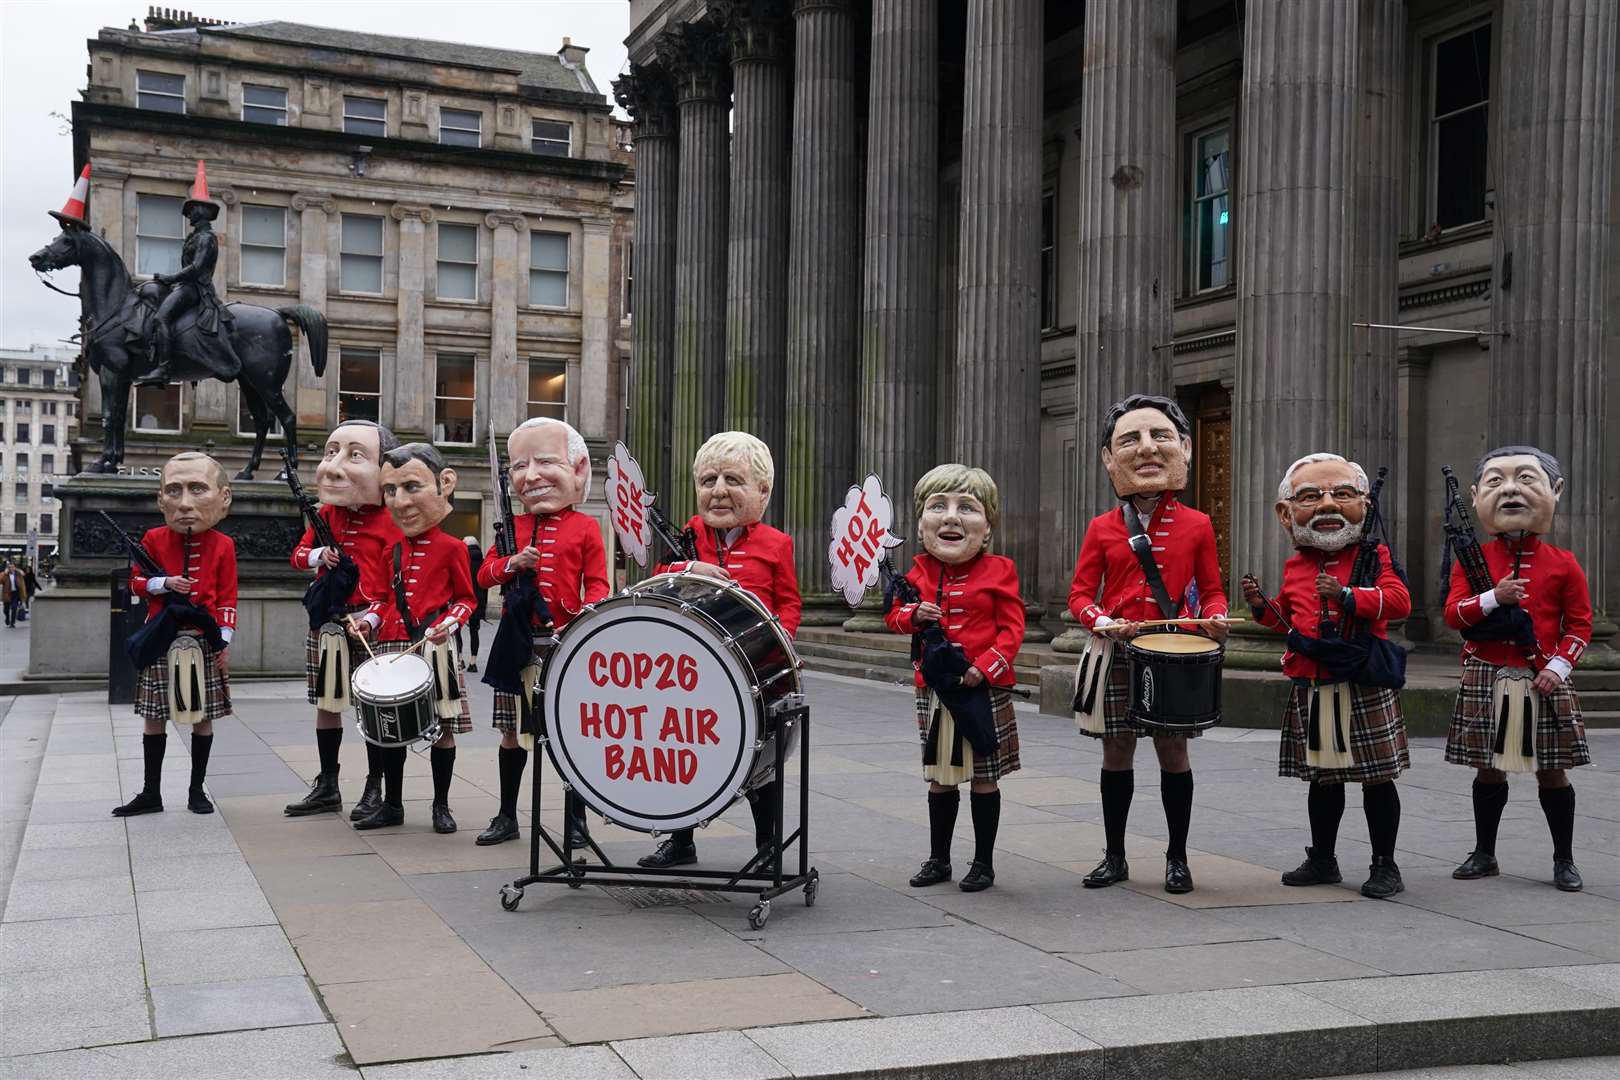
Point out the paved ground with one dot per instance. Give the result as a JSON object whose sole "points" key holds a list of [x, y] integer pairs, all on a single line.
{"points": [[180, 945]]}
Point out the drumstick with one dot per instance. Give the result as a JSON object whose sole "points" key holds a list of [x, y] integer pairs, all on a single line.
{"points": [[1188, 622], [364, 640]]}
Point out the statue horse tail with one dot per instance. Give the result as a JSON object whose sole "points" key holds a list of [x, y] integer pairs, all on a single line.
{"points": [[313, 324]]}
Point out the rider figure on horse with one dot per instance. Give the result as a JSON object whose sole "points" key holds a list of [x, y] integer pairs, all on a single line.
{"points": [[192, 287]]}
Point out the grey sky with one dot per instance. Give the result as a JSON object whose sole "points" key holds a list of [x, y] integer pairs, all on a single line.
{"points": [[42, 64]]}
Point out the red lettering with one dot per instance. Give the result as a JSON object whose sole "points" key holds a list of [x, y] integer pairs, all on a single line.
{"points": [[671, 727], [619, 669], [686, 673], [590, 719], [643, 668], [613, 760], [666, 665], [596, 667], [663, 765], [706, 720], [686, 760], [636, 713], [844, 551], [853, 527], [638, 764], [862, 505], [874, 537], [616, 722], [861, 564]]}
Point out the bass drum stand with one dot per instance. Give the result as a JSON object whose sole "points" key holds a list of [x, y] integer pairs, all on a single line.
{"points": [[761, 876]]}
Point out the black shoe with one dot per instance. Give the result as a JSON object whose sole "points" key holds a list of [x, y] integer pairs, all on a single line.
{"points": [[978, 878], [370, 799], [1566, 876], [1112, 870], [1385, 880], [384, 817], [1315, 870], [580, 828], [501, 829], [144, 803], [442, 821], [1477, 865], [197, 802], [1177, 875], [323, 798], [473, 667], [156, 377], [669, 853], [933, 872]]}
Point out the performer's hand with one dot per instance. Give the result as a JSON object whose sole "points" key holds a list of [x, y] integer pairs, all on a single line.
{"points": [[360, 628], [1546, 681], [709, 569], [927, 612], [180, 584], [1510, 590], [223, 659], [1218, 630], [1119, 631], [1328, 587], [1251, 591], [330, 557], [527, 559], [438, 635], [972, 677]]}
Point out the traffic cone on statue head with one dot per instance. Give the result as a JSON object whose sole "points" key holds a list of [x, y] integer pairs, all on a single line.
{"points": [[73, 211]]}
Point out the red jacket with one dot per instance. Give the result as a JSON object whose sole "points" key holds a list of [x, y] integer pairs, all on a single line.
{"points": [[983, 612], [438, 584], [209, 557], [1556, 597], [1183, 549], [364, 534], [760, 559], [1298, 602], [572, 571]]}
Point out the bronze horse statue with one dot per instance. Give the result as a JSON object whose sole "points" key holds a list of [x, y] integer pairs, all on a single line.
{"points": [[116, 336]]}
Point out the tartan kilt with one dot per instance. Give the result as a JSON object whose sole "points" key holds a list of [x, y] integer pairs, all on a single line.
{"points": [[152, 691], [312, 657], [461, 724], [1377, 737], [1005, 760], [1117, 699], [506, 705], [1560, 731]]}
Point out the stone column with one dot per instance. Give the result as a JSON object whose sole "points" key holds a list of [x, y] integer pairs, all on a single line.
{"points": [[314, 210], [412, 398], [824, 301], [508, 378], [1554, 148], [998, 334], [648, 96], [756, 281], [596, 338], [1127, 226], [696, 55], [1295, 180], [1413, 516]]}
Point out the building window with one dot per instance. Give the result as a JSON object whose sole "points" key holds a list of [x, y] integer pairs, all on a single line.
{"points": [[159, 232], [244, 418], [22, 461], [362, 258], [47, 408], [359, 384], [50, 377], [21, 521], [458, 262], [264, 104], [454, 394], [22, 433], [45, 524], [157, 408], [552, 138], [365, 116], [47, 434], [161, 91], [548, 389], [1048, 260], [264, 245], [22, 491], [1459, 126], [548, 269], [49, 466], [458, 127], [1210, 236]]}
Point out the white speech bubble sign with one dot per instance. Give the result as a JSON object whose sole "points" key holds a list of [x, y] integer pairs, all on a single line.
{"points": [[628, 501], [860, 536]]}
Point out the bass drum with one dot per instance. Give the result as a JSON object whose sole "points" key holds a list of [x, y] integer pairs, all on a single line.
{"points": [[664, 704]]}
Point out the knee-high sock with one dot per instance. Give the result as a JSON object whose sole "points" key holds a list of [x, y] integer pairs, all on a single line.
{"points": [[152, 749], [512, 760], [1325, 804], [394, 775], [1176, 790], [1489, 802], [443, 761], [327, 741], [374, 769], [986, 808], [1117, 786], [682, 837], [201, 746], [942, 808], [762, 804], [1382, 805], [1558, 803]]}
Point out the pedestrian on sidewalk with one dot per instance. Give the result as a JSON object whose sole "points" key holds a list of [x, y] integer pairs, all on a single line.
{"points": [[13, 590]]}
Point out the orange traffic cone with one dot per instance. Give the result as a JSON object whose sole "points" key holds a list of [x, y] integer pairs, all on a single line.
{"points": [[73, 211], [199, 195]]}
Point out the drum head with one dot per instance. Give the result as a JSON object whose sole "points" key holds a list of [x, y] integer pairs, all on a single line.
{"points": [[392, 677], [652, 715], [1176, 644]]}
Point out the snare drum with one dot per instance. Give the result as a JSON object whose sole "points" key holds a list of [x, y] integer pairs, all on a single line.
{"points": [[1175, 682], [664, 704], [393, 700]]}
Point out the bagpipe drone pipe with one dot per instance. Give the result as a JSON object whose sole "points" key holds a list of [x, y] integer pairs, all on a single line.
{"points": [[327, 598], [523, 605], [151, 642]]}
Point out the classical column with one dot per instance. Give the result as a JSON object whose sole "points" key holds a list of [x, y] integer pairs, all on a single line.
{"points": [[314, 210], [1555, 132], [1413, 515], [412, 397], [596, 333], [648, 96], [1127, 229], [824, 302], [756, 251], [696, 55], [1295, 188], [508, 379], [998, 334]]}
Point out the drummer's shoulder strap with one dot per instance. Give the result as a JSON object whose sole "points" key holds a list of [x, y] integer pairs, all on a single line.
{"points": [[401, 601], [1142, 548]]}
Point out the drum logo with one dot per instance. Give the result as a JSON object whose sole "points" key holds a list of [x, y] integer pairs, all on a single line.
{"points": [[389, 724], [1147, 688]]}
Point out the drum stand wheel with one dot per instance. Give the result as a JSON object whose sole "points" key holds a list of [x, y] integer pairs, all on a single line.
{"points": [[812, 887], [759, 915], [511, 897]]}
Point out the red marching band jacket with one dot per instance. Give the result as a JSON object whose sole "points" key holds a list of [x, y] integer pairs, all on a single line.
{"points": [[1556, 598], [438, 585], [760, 559], [572, 571], [1183, 549], [207, 557], [980, 606], [1299, 603], [365, 534]]}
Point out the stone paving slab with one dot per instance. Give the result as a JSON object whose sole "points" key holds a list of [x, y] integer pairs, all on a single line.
{"points": [[429, 1016], [309, 1052], [233, 1005]]}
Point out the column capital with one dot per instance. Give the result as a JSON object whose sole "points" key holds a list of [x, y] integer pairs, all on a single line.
{"points": [[1413, 359], [596, 225], [314, 200], [108, 174], [401, 211], [760, 31], [648, 95], [698, 57], [800, 7], [225, 195], [498, 218]]}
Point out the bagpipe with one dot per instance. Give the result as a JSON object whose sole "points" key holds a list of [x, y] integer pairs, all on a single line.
{"points": [[683, 544], [151, 642], [523, 606], [1509, 622], [327, 598]]}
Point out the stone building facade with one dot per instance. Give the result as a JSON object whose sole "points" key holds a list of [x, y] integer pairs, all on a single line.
{"points": [[38, 416], [958, 230]]}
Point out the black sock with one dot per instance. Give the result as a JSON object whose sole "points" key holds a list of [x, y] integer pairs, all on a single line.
{"points": [[200, 747], [762, 804], [152, 749], [682, 837], [1382, 805], [513, 760], [1489, 802], [1118, 785], [1176, 791], [942, 808], [1325, 804], [1558, 803], [327, 741], [394, 776], [443, 760], [986, 808], [374, 769]]}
